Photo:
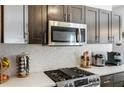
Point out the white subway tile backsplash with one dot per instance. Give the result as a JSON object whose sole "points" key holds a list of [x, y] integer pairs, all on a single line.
{"points": [[45, 57]]}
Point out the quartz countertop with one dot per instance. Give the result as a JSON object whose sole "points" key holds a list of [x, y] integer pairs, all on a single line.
{"points": [[37, 79], [106, 70]]}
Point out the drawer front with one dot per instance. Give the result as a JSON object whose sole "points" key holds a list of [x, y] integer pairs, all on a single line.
{"points": [[107, 81]]}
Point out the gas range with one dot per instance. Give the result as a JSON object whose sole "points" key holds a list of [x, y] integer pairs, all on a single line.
{"points": [[73, 77]]}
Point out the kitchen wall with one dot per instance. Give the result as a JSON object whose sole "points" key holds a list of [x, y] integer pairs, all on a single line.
{"points": [[45, 57], [106, 7]]}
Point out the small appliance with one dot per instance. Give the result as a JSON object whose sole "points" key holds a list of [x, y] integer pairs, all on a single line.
{"points": [[98, 60], [73, 77], [66, 33], [114, 58]]}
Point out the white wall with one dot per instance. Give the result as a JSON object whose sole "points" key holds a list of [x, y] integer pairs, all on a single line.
{"points": [[106, 7], [45, 57]]}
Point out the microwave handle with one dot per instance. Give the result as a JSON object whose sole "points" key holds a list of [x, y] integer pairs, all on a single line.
{"points": [[69, 17], [78, 35]]}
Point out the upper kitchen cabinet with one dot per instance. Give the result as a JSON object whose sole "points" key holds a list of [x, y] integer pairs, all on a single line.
{"points": [[116, 27], [104, 26], [37, 24], [14, 26], [57, 12], [67, 13], [91, 20], [75, 13]]}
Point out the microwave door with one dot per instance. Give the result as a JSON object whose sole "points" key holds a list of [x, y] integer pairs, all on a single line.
{"points": [[64, 35]]}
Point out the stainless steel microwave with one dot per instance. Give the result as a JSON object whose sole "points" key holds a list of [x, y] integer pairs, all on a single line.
{"points": [[65, 33]]}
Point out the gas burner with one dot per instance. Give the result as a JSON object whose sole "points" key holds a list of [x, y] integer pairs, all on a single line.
{"points": [[57, 75], [81, 73]]}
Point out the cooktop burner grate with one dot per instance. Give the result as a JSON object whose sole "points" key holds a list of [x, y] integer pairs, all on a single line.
{"points": [[67, 73]]}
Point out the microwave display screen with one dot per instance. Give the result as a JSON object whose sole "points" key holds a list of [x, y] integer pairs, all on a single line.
{"points": [[64, 34]]}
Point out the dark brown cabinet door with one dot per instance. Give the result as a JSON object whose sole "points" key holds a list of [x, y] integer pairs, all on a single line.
{"points": [[57, 12], [116, 27], [70, 13], [37, 23], [0, 24], [104, 26], [107, 81], [92, 25], [119, 80], [75, 13]]}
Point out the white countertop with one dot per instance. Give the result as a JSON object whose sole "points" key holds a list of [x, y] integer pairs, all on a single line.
{"points": [[38, 79], [105, 70]]}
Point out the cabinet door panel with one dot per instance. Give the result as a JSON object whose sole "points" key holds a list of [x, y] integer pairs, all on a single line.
{"points": [[116, 27], [105, 26], [75, 13], [57, 12], [37, 23], [92, 25], [119, 79], [14, 24]]}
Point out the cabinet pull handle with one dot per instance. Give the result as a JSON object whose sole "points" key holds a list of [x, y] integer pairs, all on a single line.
{"points": [[97, 39], [24, 21], [108, 81], [111, 39], [69, 17], [65, 17]]}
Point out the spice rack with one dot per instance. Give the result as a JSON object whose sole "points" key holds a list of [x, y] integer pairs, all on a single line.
{"points": [[22, 61], [3, 72], [85, 60]]}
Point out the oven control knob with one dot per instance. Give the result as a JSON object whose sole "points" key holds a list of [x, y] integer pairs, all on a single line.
{"points": [[90, 81], [66, 85], [70, 85], [94, 80], [97, 79]]}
